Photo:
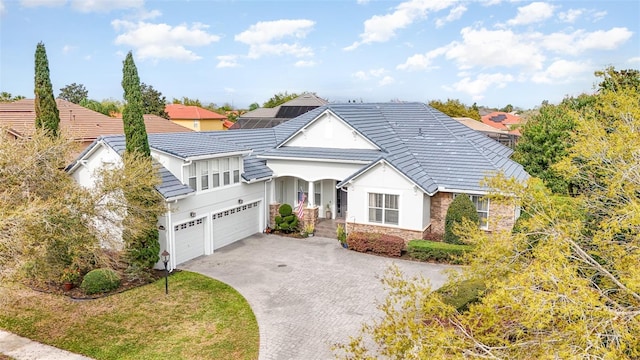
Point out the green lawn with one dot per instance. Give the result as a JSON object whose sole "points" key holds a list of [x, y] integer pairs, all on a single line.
{"points": [[201, 318]]}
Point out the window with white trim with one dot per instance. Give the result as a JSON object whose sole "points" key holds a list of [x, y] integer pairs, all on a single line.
{"points": [[206, 174], [384, 209], [482, 208], [192, 176]]}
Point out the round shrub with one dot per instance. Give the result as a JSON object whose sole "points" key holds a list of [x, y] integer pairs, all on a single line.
{"points": [[100, 280], [461, 208], [285, 210]]}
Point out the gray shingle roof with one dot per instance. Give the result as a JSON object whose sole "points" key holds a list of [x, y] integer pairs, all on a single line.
{"points": [[170, 186], [433, 150]]}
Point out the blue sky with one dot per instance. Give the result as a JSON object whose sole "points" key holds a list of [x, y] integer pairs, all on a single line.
{"points": [[238, 52]]}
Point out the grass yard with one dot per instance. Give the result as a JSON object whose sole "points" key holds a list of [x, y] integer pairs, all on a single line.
{"points": [[201, 318]]}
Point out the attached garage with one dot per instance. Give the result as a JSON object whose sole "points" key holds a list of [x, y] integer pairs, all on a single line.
{"points": [[189, 240], [235, 224]]}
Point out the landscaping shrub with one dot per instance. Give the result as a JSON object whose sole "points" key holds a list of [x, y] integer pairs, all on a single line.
{"points": [[462, 294], [383, 244], [427, 250], [461, 208], [287, 222], [100, 280]]}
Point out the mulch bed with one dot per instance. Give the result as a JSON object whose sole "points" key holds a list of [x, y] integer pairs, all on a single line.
{"points": [[77, 294]]}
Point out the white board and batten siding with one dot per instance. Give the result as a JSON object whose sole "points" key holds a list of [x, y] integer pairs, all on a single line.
{"points": [[329, 131], [384, 179]]}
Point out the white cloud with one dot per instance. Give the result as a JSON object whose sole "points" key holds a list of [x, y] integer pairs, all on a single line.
{"points": [[454, 14], [362, 2], [162, 41], [634, 60], [561, 71], [570, 15], [67, 49], [227, 61], [305, 63], [381, 28], [476, 88], [387, 80], [87, 57], [38, 3], [262, 38], [532, 13], [598, 15], [374, 74], [3, 9], [422, 61], [105, 5], [489, 48], [580, 41]]}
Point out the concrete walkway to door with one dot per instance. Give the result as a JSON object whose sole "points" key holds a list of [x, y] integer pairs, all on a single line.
{"points": [[307, 294]]}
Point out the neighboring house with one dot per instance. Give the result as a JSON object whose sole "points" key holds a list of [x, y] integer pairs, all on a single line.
{"points": [[261, 118], [82, 124], [503, 136], [195, 117], [383, 167], [503, 121]]}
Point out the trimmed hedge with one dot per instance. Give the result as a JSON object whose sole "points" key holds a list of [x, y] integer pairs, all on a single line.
{"points": [[463, 294], [427, 250], [100, 280], [383, 244]]}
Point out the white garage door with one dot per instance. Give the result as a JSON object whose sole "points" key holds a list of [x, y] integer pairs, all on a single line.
{"points": [[235, 224], [189, 240]]}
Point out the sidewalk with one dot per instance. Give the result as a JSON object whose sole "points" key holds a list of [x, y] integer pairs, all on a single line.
{"points": [[21, 348]]}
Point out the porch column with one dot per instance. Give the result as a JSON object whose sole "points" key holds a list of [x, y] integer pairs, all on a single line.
{"points": [[312, 194], [272, 191]]}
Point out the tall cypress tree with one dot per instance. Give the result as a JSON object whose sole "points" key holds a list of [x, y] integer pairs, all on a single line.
{"points": [[142, 244], [47, 114], [132, 116]]}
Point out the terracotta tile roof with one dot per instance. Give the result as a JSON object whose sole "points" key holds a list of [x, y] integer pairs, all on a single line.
{"points": [[183, 112], [79, 122], [500, 120], [227, 124]]}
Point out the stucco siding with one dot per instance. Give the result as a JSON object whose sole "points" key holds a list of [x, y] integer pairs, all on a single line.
{"points": [[386, 180], [312, 170], [84, 174]]}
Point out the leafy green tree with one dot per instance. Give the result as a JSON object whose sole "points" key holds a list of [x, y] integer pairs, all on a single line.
{"points": [[546, 138], [613, 79], [254, 106], [508, 108], [74, 93], [49, 224], [142, 243], [47, 114], [454, 108], [565, 286], [279, 99], [153, 102], [460, 210], [187, 101], [7, 97], [107, 107], [132, 115]]}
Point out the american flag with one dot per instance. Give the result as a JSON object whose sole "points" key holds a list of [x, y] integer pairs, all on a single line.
{"points": [[300, 205]]}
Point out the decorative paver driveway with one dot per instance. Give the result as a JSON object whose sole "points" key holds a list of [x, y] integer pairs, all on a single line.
{"points": [[307, 294]]}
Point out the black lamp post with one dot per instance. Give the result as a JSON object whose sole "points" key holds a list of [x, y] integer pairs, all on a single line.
{"points": [[165, 260]]}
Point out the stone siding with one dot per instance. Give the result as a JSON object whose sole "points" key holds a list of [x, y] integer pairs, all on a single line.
{"points": [[310, 215], [439, 204], [501, 216]]}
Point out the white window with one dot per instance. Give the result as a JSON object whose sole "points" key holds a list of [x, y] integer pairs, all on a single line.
{"points": [[192, 176], [224, 167], [235, 169], [383, 208], [482, 207], [215, 173], [204, 175]]}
